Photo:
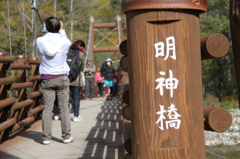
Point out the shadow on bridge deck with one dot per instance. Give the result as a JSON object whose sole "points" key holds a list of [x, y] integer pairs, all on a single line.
{"points": [[98, 136], [105, 138]]}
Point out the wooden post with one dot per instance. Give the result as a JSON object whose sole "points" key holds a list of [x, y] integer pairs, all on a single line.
{"points": [[21, 78], [235, 33], [127, 135], [214, 46], [125, 88], [119, 29], [165, 78], [91, 40], [35, 94], [123, 47], [216, 119]]}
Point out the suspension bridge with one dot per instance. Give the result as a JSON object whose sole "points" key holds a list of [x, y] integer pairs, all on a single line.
{"points": [[155, 124]]}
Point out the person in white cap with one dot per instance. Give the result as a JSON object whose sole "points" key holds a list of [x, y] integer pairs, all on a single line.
{"points": [[108, 73]]}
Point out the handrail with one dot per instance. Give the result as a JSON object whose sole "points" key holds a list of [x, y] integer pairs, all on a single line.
{"points": [[24, 107]]}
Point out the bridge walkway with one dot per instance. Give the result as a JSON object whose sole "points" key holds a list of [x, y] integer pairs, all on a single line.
{"points": [[97, 136]]}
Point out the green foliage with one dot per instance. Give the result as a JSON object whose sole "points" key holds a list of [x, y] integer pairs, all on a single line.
{"points": [[218, 74], [229, 104], [210, 100], [102, 11]]}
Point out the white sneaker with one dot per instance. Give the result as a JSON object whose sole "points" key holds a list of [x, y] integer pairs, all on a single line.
{"points": [[79, 118], [68, 140], [56, 117], [46, 142]]}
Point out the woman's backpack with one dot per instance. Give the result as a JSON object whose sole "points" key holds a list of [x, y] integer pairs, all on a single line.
{"points": [[74, 63]]}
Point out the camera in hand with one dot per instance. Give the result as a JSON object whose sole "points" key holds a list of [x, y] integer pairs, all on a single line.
{"points": [[88, 73]]}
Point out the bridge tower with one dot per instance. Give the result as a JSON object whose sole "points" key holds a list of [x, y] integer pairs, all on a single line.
{"points": [[91, 38]]}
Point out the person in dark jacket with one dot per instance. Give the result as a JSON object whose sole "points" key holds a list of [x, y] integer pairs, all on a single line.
{"points": [[108, 73], [76, 85]]}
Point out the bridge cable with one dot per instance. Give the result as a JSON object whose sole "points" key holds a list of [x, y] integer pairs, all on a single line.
{"points": [[9, 28]]}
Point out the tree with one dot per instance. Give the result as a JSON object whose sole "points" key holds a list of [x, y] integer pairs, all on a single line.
{"points": [[218, 74], [25, 25]]}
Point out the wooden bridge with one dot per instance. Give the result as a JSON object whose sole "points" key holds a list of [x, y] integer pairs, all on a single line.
{"points": [[98, 135]]}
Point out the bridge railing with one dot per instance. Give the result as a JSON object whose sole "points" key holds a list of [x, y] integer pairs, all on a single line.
{"points": [[20, 97]]}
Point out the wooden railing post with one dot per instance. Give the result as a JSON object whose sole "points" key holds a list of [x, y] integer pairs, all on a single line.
{"points": [[165, 78], [35, 94], [22, 93], [234, 16]]}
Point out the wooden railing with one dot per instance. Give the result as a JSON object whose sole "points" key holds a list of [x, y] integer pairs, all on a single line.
{"points": [[20, 97]]}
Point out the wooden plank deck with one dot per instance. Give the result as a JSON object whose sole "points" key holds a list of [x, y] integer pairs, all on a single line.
{"points": [[97, 136]]}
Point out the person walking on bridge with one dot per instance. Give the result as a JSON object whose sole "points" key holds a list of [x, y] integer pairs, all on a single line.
{"points": [[76, 85], [53, 48], [108, 73], [99, 81], [89, 72]]}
